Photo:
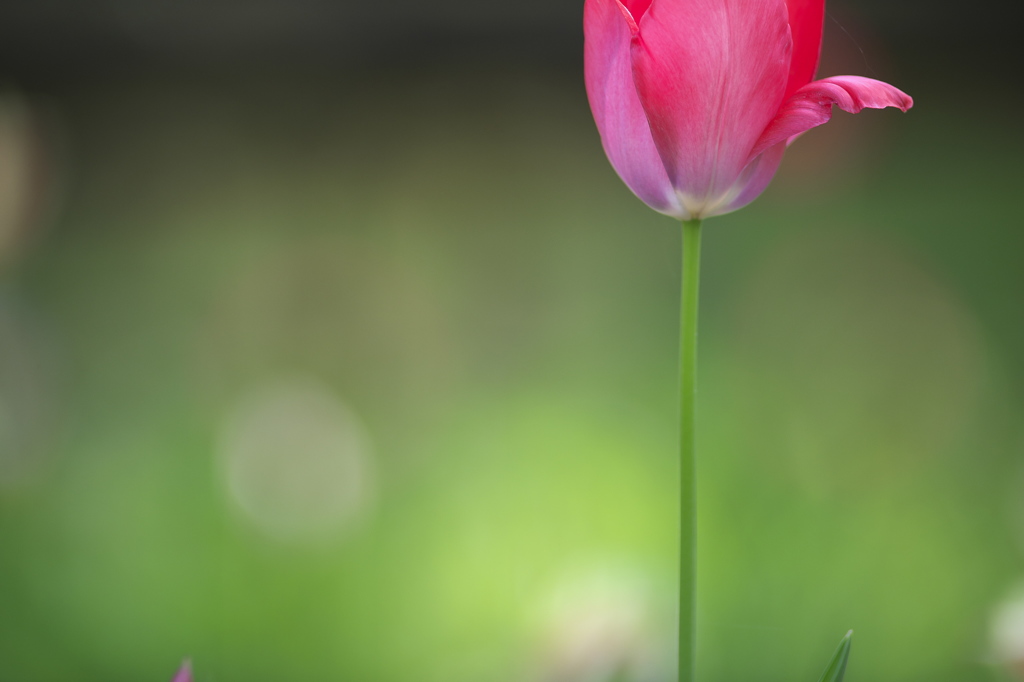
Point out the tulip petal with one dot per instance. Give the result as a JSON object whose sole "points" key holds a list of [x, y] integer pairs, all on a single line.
{"points": [[711, 75], [806, 22], [637, 8], [608, 27], [811, 106], [184, 673], [753, 180]]}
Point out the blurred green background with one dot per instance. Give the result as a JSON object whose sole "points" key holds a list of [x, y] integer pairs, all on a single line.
{"points": [[332, 348]]}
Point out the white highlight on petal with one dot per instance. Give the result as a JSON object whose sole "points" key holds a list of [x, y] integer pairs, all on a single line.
{"points": [[296, 461]]}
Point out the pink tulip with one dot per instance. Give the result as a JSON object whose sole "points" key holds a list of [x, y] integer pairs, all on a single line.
{"points": [[696, 100], [184, 673]]}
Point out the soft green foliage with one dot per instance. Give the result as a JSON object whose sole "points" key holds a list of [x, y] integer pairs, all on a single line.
{"points": [[469, 280]]}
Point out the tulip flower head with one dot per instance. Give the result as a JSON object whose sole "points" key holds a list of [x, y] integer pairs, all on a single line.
{"points": [[696, 100]]}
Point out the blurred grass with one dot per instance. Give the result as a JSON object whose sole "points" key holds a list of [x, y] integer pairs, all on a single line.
{"points": [[449, 253]]}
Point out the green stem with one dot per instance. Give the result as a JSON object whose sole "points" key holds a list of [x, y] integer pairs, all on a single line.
{"points": [[687, 449]]}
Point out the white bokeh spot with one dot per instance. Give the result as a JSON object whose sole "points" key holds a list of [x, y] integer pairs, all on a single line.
{"points": [[296, 461]]}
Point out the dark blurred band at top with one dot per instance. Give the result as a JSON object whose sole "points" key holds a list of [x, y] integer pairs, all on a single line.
{"points": [[58, 39]]}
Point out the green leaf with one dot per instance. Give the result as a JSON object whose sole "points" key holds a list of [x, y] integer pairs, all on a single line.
{"points": [[837, 666]]}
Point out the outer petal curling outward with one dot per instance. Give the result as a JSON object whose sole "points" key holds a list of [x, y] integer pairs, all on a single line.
{"points": [[710, 74], [620, 118], [811, 106]]}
